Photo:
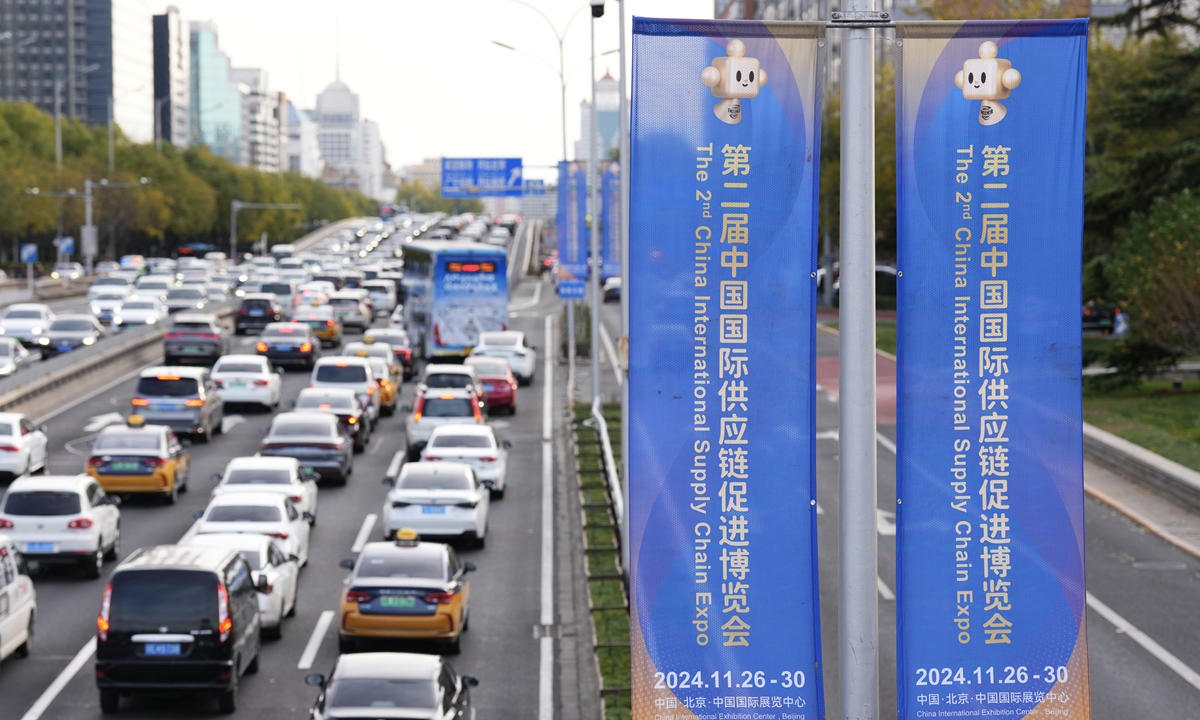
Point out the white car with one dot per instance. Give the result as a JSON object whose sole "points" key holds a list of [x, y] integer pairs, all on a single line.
{"points": [[155, 286], [107, 284], [24, 447], [396, 321], [438, 498], [18, 599], [473, 445], [282, 475], [510, 345], [350, 373], [382, 294], [248, 379], [266, 560], [14, 356], [262, 513], [138, 311], [26, 321], [104, 304], [63, 519]]}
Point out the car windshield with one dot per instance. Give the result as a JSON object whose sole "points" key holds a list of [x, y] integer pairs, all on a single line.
{"points": [[243, 513], [185, 294], [237, 367], [406, 565], [298, 428], [448, 380], [167, 386], [71, 326], [326, 403], [498, 339], [380, 693], [277, 288], [23, 315], [153, 285], [448, 407], [462, 441], [128, 441], [435, 481], [258, 476], [341, 373], [138, 306], [42, 503], [488, 368], [151, 599]]}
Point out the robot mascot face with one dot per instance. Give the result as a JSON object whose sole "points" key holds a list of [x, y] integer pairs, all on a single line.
{"points": [[733, 78], [988, 79]]}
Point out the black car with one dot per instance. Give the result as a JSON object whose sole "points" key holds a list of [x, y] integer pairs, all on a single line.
{"points": [[70, 332], [1096, 316], [370, 685], [195, 338], [256, 311], [289, 343], [343, 403], [315, 439], [178, 619]]}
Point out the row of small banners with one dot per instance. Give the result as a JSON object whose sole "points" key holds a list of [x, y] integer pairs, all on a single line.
{"points": [[722, 287], [574, 226]]}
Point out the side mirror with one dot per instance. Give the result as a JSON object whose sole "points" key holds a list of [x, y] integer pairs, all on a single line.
{"points": [[114, 500], [310, 474], [347, 563], [307, 515], [532, 347], [314, 680], [506, 444], [198, 514], [470, 681], [291, 404], [294, 558], [390, 482], [278, 371], [263, 585], [216, 477], [186, 443], [469, 566]]}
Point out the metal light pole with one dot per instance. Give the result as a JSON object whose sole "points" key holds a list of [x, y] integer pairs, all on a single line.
{"points": [[593, 177], [623, 347], [237, 206], [111, 156], [58, 116]]}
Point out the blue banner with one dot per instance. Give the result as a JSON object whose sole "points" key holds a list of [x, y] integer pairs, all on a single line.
{"points": [[610, 238], [571, 220], [723, 558], [482, 177], [990, 152]]}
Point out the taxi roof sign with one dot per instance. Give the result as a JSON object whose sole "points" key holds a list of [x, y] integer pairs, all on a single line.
{"points": [[135, 421], [407, 537], [367, 340]]}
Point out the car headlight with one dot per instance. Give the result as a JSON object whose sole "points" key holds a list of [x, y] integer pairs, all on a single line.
{"points": [[44, 341], [54, 275], [36, 331], [96, 309], [200, 305], [116, 319], [89, 341], [151, 320]]}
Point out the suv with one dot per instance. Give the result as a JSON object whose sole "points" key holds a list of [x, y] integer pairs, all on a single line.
{"points": [[182, 398], [444, 376], [176, 618], [256, 311], [438, 407], [350, 309], [352, 373], [195, 337]]}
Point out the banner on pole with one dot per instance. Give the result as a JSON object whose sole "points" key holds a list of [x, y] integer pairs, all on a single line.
{"points": [[990, 543], [725, 147], [610, 238], [571, 220]]}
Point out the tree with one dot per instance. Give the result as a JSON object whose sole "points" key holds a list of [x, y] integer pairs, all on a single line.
{"points": [[421, 199]]}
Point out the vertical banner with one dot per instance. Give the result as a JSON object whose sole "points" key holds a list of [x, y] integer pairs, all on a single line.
{"points": [[990, 148], [610, 238], [571, 219], [725, 150]]}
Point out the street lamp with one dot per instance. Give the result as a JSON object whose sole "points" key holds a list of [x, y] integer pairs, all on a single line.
{"points": [[88, 236]]}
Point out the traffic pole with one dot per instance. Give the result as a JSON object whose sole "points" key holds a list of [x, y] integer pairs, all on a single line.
{"points": [[593, 176], [623, 348]]}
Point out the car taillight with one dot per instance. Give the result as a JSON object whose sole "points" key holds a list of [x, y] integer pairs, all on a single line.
{"points": [[140, 402], [154, 462], [280, 535], [224, 622], [260, 383], [80, 524], [358, 596], [439, 598], [172, 335], [337, 446], [418, 409], [209, 336], [400, 504], [1087, 312], [6, 524], [370, 390], [431, 458], [328, 323], [470, 505], [352, 421], [296, 498], [9, 448], [219, 383], [488, 459], [261, 347], [306, 347], [102, 618], [271, 446], [379, 382], [94, 462], [478, 415], [243, 311], [193, 403]]}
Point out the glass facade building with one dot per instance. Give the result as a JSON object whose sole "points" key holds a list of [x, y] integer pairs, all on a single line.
{"points": [[216, 103]]}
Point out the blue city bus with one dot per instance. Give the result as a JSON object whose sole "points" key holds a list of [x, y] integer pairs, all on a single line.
{"points": [[453, 292]]}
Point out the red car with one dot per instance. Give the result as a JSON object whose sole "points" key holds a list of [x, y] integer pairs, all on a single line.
{"points": [[499, 383]]}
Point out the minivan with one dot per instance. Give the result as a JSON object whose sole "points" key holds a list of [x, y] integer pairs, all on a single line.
{"points": [[180, 619]]}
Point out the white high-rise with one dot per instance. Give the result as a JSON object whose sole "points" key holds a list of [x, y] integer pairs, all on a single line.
{"points": [[350, 146]]}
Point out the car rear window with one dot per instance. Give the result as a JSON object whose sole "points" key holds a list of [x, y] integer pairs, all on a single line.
{"points": [[326, 403], [288, 333], [498, 339], [167, 387], [342, 373], [381, 693], [258, 476], [462, 441], [256, 304], [42, 503], [448, 381], [192, 327], [138, 306], [128, 441], [22, 315], [70, 326], [448, 407], [277, 288], [185, 294], [297, 428], [150, 599], [431, 481], [236, 367], [408, 565], [491, 368], [343, 301], [243, 513], [7, 428]]}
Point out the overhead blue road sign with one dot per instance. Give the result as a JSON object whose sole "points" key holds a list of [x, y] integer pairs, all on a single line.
{"points": [[66, 245], [572, 289], [535, 187], [482, 177], [29, 253]]}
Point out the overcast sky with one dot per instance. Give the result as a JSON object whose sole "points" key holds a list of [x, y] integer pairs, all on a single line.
{"points": [[427, 71]]}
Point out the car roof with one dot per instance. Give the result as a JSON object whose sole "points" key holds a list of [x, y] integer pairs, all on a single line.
{"points": [[242, 358], [233, 541], [177, 556], [336, 359], [328, 392], [182, 371], [247, 498], [304, 415], [194, 317], [74, 316], [497, 334], [11, 417], [393, 666], [437, 393], [434, 468], [259, 296], [51, 482], [28, 306], [260, 462], [449, 369], [464, 429], [160, 430]]}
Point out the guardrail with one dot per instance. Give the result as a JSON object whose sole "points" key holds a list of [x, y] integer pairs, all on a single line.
{"points": [[610, 465]]}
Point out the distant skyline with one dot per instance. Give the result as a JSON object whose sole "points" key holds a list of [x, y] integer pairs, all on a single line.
{"points": [[427, 70]]}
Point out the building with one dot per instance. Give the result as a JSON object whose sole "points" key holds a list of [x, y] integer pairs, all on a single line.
{"points": [[302, 154], [172, 78], [734, 9], [350, 146], [608, 102], [216, 118], [88, 53], [428, 173], [260, 119]]}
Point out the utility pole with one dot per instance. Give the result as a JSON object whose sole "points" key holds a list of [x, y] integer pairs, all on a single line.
{"points": [[623, 348], [593, 178]]}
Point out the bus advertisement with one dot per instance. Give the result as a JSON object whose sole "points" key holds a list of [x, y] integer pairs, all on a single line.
{"points": [[456, 290]]}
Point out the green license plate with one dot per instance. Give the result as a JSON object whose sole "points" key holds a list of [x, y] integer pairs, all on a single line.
{"points": [[128, 466], [193, 350], [397, 602]]}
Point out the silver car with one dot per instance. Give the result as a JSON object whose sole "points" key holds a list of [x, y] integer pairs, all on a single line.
{"points": [[137, 311]]}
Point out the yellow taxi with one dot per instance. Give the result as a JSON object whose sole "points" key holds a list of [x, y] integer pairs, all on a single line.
{"points": [[140, 458], [405, 590], [387, 377], [322, 320]]}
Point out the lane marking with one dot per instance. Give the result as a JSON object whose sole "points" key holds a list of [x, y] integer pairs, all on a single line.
{"points": [[85, 653], [885, 442], [88, 396], [537, 298], [1141, 638], [827, 435], [611, 351], [885, 522], [99, 422], [546, 644], [231, 421], [375, 446], [885, 592], [364, 533], [314, 641]]}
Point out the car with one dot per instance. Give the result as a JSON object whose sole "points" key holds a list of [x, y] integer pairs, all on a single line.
{"points": [[195, 337], [282, 475], [1100, 317], [108, 284], [438, 407], [316, 439], [285, 290], [343, 403], [256, 311], [14, 356], [216, 292], [293, 343], [350, 308], [62, 520], [499, 383], [353, 373], [369, 684], [24, 447], [473, 445], [25, 322], [405, 590], [248, 379], [248, 287], [186, 298], [510, 345], [184, 399], [155, 286], [104, 267], [70, 332], [612, 289], [439, 376], [105, 303], [136, 458], [67, 271], [267, 561], [137, 310], [388, 378], [382, 294], [259, 513], [20, 601], [401, 348], [178, 618], [323, 322]]}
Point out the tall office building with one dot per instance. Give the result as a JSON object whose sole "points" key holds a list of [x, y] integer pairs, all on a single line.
{"points": [[350, 146], [216, 102], [608, 99], [260, 118], [172, 77], [302, 154]]}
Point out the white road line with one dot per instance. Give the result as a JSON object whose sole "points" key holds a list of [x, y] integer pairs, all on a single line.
{"points": [[885, 442], [364, 533], [85, 653], [885, 592], [375, 446], [546, 665], [107, 386], [1141, 638], [537, 298], [611, 351], [314, 641]]}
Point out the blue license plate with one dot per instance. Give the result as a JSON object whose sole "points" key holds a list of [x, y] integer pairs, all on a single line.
{"points": [[64, 348], [36, 547], [167, 406], [433, 509], [161, 649], [285, 348], [256, 313]]}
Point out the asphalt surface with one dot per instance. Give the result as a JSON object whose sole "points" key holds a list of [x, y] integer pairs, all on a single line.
{"points": [[500, 648]]}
